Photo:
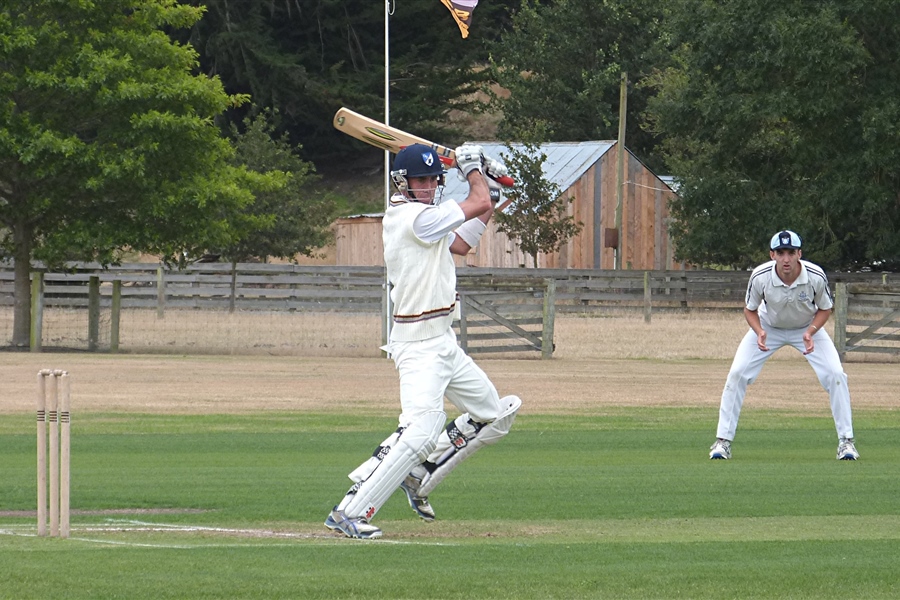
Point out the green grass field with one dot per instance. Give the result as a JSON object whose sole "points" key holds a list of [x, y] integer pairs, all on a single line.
{"points": [[624, 505]]}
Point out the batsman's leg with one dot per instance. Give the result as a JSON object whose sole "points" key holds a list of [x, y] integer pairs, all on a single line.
{"points": [[411, 447], [363, 471], [462, 438], [486, 418]]}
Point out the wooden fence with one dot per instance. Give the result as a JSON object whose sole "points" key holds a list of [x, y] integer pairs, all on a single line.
{"points": [[213, 286], [867, 318], [516, 305], [506, 314]]}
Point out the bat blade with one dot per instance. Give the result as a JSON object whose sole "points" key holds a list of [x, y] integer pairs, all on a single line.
{"points": [[390, 138], [383, 136]]}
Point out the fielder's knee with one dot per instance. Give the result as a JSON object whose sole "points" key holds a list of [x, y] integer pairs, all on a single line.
{"points": [[833, 380], [737, 380]]}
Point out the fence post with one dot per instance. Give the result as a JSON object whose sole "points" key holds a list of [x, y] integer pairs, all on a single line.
{"points": [[549, 318], [386, 316], [93, 312], [233, 289], [841, 303], [648, 306], [37, 310], [463, 326], [115, 315], [160, 293]]}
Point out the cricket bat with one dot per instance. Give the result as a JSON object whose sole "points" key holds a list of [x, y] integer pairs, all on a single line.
{"points": [[392, 139]]}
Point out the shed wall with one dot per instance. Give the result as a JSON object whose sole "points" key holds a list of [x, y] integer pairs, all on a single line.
{"points": [[645, 240]]}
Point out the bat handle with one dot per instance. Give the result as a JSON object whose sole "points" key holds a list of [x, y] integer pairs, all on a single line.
{"points": [[505, 181]]}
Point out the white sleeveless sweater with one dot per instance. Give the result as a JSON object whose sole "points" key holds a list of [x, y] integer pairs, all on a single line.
{"points": [[423, 276]]}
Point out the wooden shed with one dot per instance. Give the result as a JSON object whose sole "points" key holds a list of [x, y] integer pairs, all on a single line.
{"points": [[586, 172], [357, 241]]}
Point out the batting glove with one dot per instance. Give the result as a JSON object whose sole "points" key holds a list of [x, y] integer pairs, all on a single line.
{"points": [[494, 169], [469, 157]]}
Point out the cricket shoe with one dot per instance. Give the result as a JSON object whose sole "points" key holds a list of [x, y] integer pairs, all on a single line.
{"points": [[847, 450], [418, 503], [352, 527], [721, 449]]}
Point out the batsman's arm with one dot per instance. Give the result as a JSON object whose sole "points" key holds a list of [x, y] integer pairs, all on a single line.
{"points": [[450, 161]]}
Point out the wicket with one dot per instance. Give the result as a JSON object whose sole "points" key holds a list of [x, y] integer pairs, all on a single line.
{"points": [[53, 403]]}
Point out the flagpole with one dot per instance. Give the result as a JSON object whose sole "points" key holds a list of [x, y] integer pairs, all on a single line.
{"points": [[388, 310], [387, 97]]}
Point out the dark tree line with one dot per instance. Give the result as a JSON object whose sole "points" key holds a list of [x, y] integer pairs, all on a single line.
{"points": [[770, 113], [780, 115], [307, 59]]}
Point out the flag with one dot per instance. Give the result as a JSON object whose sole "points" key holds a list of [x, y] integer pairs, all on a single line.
{"points": [[462, 13]]}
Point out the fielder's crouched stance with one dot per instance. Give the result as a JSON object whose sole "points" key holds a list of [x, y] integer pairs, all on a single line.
{"points": [[420, 234], [788, 302]]}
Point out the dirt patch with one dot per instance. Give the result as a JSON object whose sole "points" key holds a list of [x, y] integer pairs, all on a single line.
{"points": [[196, 385], [600, 362]]}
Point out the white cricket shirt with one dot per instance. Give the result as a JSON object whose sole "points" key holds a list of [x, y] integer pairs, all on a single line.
{"points": [[788, 306]]}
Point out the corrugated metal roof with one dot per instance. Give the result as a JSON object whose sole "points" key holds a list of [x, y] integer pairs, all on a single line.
{"points": [[670, 181], [566, 163]]}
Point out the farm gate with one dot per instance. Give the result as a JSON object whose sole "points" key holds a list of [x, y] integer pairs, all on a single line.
{"points": [[867, 318]]}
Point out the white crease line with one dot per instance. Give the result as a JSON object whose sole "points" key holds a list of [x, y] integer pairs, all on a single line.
{"points": [[256, 537], [164, 546], [10, 532], [257, 532], [135, 544], [260, 533]]}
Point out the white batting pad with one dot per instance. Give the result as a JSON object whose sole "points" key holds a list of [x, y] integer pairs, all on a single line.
{"points": [[411, 448], [489, 434], [363, 471]]}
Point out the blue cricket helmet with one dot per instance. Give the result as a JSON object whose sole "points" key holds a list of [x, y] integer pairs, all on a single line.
{"points": [[418, 160]]}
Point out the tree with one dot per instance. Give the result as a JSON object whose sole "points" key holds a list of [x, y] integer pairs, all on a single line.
{"points": [[537, 213], [308, 59], [106, 138], [562, 62], [286, 220], [290, 219], [783, 115]]}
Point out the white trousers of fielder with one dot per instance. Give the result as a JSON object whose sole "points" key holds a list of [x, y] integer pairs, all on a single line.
{"points": [[749, 360]]}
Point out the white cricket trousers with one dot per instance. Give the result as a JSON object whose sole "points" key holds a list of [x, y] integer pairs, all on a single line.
{"points": [[437, 367], [749, 360]]}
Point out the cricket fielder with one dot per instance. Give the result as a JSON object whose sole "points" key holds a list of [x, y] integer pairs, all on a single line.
{"points": [[788, 303]]}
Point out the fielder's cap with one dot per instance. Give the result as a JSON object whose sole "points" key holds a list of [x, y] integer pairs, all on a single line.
{"points": [[785, 239]]}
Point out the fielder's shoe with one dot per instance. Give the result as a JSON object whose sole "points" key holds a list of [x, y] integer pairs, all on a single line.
{"points": [[847, 450], [352, 527], [418, 503], [720, 449]]}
